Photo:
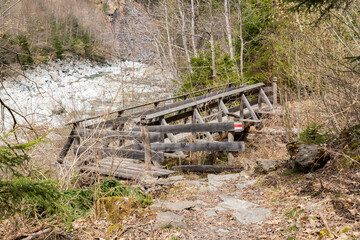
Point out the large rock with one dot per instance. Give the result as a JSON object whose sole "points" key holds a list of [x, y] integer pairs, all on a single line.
{"points": [[173, 206], [219, 180], [251, 215], [244, 184], [307, 158], [115, 209], [168, 219], [266, 165], [232, 203]]}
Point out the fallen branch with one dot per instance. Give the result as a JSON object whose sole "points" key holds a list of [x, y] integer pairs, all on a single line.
{"points": [[209, 168], [37, 234], [326, 225]]}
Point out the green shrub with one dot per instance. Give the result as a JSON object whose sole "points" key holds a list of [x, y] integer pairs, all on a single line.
{"points": [[59, 50], [23, 195], [314, 133], [26, 57], [201, 75], [81, 201]]}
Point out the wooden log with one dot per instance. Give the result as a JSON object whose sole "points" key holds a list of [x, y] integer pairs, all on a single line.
{"points": [[172, 139], [125, 153], [274, 92], [147, 148], [198, 146], [266, 99], [193, 128], [249, 107], [123, 173], [204, 100], [132, 135], [208, 168], [154, 102], [66, 147], [200, 120]]}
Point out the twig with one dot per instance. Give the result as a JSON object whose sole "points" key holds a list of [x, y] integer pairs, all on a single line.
{"points": [[326, 225], [37, 234]]}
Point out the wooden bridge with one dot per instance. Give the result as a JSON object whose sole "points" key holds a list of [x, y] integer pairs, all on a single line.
{"points": [[134, 141]]}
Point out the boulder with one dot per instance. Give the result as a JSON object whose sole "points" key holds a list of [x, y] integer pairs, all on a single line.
{"points": [[167, 219], [266, 165], [219, 180], [251, 215], [115, 209], [173, 206], [244, 184], [307, 158]]}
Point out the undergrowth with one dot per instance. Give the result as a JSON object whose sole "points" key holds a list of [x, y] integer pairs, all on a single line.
{"points": [[314, 133], [30, 197], [81, 201]]}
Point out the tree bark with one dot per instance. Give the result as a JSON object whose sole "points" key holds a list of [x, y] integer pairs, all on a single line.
{"points": [[172, 61], [183, 33], [228, 28], [212, 44], [241, 41], [193, 28]]}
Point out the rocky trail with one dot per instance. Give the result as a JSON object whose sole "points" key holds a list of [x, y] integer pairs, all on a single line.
{"points": [[276, 205], [216, 207]]}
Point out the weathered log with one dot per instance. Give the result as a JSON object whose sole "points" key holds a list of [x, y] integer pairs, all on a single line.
{"points": [[66, 147], [113, 134], [204, 100], [193, 127], [198, 146], [146, 140], [208, 168], [124, 153]]}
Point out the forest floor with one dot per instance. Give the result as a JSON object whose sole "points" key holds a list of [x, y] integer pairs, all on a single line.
{"points": [[278, 205]]}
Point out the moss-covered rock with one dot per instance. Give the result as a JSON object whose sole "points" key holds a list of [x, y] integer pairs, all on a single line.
{"points": [[307, 157], [115, 209]]}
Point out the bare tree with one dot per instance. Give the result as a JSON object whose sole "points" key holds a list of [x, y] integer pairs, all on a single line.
{"points": [[212, 44], [183, 32], [193, 28], [228, 27], [240, 20]]}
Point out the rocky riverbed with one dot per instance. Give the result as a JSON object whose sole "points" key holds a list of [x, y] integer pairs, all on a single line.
{"points": [[58, 92]]}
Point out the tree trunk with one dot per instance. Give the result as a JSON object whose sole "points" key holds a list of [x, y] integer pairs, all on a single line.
{"points": [[183, 33], [241, 41], [193, 28], [172, 61], [212, 45], [228, 28]]}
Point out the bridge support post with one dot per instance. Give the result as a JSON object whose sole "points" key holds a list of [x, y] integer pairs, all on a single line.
{"points": [[274, 92], [147, 147]]}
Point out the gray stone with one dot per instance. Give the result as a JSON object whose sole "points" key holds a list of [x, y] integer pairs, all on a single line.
{"points": [[208, 188], [172, 206], [245, 184], [307, 158], [266, 165], [252, 215], [236, 204], [222, 230], [197, 208], [219, 180], [148, 181], [245, 174], [176, 178], [219, 209], [210, 213], [314, 206], [194, 183], [166, 219], [199, 202]]}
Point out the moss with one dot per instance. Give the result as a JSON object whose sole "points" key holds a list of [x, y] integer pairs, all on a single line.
{"points": [[115, 209]]}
